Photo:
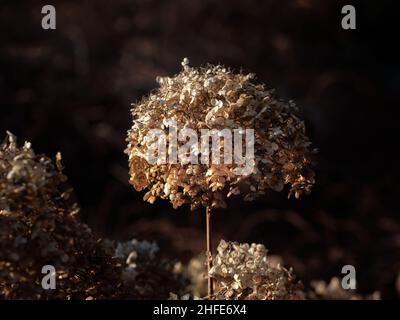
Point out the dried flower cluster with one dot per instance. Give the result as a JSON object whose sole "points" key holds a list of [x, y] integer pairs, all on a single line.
{"points": [[242, 271], [28, 181], [216, 98], [39, 226]]}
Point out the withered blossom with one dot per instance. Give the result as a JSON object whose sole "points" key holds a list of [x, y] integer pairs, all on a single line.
{"points": [[243, 271], [214, 97], [39, 226]]}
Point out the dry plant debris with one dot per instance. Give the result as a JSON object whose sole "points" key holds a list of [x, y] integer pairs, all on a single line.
{"points": [[214, 97]]}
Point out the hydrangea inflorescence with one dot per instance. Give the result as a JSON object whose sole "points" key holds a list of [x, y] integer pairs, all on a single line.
{"points": [[243, 271], [214, 97], [39, 225]]}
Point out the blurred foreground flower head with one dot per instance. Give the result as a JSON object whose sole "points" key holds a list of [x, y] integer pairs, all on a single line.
{"points": [[243, 271], [215, 98], [39, 226], [28, 180]]}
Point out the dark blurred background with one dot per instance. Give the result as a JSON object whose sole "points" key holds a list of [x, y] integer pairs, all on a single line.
{"points": [[70, 90]]}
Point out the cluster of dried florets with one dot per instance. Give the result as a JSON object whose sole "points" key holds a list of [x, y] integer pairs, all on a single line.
{"points": [[216, 98], [27, 180], [39, 226], [242, 271]]}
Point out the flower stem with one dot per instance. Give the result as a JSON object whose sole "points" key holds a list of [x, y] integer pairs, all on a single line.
{"points": [[210, 288]]}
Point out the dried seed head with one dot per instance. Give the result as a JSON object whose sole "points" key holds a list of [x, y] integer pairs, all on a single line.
{"points": [[216, 98]]}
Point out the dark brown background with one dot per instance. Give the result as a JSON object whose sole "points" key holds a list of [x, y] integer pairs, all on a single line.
{"points": [[70, 90]]}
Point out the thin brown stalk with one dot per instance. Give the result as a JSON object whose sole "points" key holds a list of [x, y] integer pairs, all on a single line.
{"points": [[210, 288]]}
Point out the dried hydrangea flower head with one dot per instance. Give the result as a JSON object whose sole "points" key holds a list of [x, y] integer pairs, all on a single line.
{"points": [[243, 271], [217, 99], [25, 178], [39, 225]]}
